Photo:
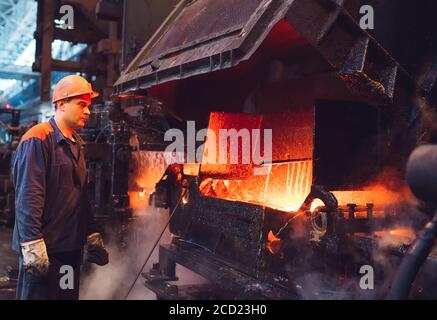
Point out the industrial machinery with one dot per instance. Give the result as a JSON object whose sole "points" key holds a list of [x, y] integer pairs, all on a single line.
{"points": [[346, 107], [245, 234], [329, 215], [11, 133], [115, 131]]}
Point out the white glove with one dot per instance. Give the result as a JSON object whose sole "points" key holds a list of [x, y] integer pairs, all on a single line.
{"points": [[35, 258]]}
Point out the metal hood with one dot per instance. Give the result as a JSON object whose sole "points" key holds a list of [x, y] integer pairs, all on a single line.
{"points": [[202, 36]]}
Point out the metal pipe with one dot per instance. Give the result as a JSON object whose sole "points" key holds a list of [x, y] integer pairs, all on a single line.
{"points": [[422, 179]]}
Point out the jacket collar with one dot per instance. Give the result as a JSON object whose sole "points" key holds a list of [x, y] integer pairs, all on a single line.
{"points": [[60, 137]]}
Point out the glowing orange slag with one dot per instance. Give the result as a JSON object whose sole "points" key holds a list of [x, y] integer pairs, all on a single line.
{"points": [[376, 193], [138, 200], [403, 232], [283, 184], [407, 233], [142, 194], [284, 187], [147, 171], [273, 243], [191, 169]]}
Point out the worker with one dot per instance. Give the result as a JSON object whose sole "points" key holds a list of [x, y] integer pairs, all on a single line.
{"points": [[54, 221]]}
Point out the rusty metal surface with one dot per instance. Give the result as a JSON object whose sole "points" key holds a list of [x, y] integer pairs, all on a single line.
{"points": [[136, 33], [207, 36], [203, 37], [237, 281], [202, 21], [230, 229]]}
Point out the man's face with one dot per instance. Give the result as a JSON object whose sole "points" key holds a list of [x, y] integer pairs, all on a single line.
{"points": [[76, 111]]}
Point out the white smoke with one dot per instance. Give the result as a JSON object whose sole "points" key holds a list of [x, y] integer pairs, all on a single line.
{"points": [[114, 280]]}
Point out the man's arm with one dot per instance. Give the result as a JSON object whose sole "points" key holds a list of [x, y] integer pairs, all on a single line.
{"points": [[29, 174]]}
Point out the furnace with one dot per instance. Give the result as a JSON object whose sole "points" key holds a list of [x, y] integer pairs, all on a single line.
{"points": [[330, 199]]}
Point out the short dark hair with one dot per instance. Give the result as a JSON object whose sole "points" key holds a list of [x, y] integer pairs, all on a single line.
{"points": [[64, 100]]}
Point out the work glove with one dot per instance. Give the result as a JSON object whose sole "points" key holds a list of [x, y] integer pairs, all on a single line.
{"points": [[35, 258], [95, 250]]}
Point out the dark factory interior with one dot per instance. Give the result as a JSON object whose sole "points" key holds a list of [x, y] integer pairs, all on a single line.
{"points": [[237, 149]]}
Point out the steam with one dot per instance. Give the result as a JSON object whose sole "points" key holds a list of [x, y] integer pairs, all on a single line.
{"points": [[114, 280], [129, 243], [147, 168], [129, 247]]}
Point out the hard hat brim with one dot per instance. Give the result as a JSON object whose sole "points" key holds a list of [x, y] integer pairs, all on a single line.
{"points": [[94, 94]]}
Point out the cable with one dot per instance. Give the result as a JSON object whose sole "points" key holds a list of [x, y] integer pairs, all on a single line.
{"points": [[156, 242]]}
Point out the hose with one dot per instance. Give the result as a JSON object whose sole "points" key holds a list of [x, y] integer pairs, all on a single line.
{"points": [[413, 260]]}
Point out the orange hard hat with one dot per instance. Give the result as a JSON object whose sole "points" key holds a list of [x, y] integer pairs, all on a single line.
{"points": [[71, 86]]}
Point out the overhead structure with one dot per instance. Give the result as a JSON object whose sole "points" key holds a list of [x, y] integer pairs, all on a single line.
{"points": [[178, 50]]}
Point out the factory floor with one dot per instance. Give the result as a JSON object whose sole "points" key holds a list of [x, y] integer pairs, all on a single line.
{"points": [[110, 282]]}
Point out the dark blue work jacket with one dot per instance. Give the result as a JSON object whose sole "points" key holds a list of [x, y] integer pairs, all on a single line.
{"points": [[50, 190]]}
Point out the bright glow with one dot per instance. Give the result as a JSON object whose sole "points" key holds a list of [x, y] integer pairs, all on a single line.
{"points": [[284, 188], [7, 84], [142, 194], [64, 50], [27, 57], [18, 23]]}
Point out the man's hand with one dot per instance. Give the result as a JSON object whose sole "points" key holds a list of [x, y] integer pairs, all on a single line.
{"points": [[95, 250], [35, 258]]}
